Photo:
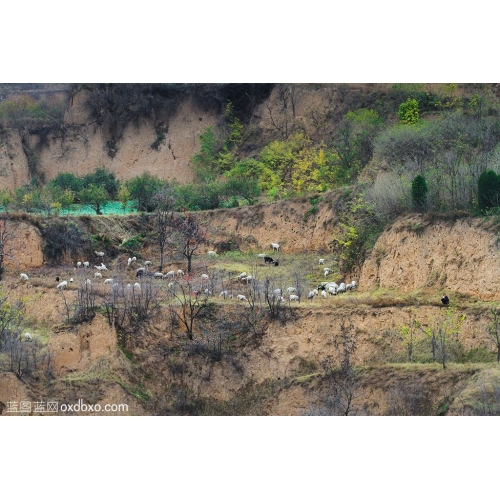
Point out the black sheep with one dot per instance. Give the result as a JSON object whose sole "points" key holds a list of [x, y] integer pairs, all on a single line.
{"points": [[445, 300]]}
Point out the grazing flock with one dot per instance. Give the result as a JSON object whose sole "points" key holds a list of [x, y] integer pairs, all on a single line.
{"points": [[204, 284]]}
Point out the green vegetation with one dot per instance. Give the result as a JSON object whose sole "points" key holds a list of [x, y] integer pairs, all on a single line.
{"points": [[419, 193], [408, 112], [488, 191], [28, 112]]}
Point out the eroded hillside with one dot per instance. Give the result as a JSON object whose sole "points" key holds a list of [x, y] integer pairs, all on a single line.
{"points": [[279, 370], [85, 138]]}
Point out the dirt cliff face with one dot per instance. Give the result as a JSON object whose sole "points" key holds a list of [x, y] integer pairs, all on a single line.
{"points": [[461, 255], [24, 247], [82, 146], [14, 170], [284, 222]]}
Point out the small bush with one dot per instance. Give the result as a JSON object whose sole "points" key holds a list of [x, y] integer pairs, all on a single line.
{"points": [[132, 244], [488, 191], [479, 355], [419, 191]]}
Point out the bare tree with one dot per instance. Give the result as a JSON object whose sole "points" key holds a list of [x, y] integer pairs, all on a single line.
{"points": [[273, 295], [443, 333], [343, 382], [286, 102], [409, 333], [186, 303], [85, 304], [164, 202], [21, 356], [191, 234], [144, 301]]}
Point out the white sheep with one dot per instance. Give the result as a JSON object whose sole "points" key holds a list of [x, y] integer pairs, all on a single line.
{"points": [[275, 247], [332, 290], [102, 267], [99, 254], [158, 275], [293, 297], [241, 297], [261, 255], [180, 272], [223, 293], [204, 276], [341, 288], [108, 281], [97, 275], [134, 259], [311, 294], [86, 263], [291, 289], [211, 253], [78, 264], [148, 263], [129, 261], [88, 282], [71, 280], [169, 275], [321, 261], [61, 285], [242, 275], [24, 276], [247, 278], [323, 294], [137, 286]]}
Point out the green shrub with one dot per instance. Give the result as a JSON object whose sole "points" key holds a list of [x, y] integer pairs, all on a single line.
{"points": [[488, 191], [419, 193], [479, 355], [132, 244], [408, 112], [102, 178]]}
